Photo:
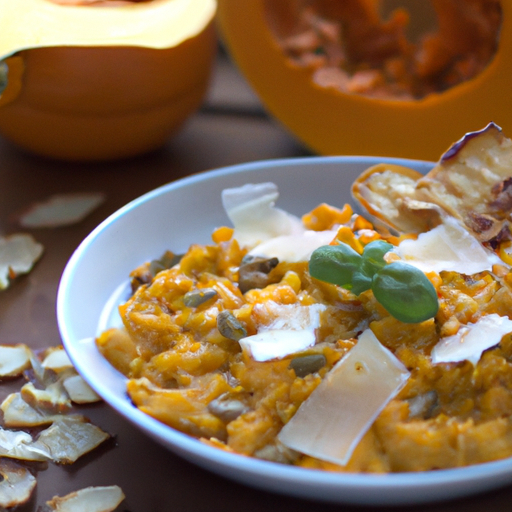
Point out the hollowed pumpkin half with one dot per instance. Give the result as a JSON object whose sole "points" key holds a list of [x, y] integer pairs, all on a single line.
{"points": [[330, 121], [102, 81]]}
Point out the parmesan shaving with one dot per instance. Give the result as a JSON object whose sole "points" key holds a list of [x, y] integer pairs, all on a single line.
{"points": [[294, 248], [332, 421], [449, 247], [274, 343], [253, 214], [282, 330], [471, 340]]}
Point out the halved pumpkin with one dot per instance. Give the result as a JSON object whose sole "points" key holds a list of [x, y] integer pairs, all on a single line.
{"points": [[102, 81], [331, 121]]}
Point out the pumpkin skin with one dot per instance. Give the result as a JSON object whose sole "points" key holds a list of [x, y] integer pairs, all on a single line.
{"points": [[105, 99], [331, 122]]}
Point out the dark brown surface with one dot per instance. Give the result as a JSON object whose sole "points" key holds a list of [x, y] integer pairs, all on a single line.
{"points": [[231, 128]]}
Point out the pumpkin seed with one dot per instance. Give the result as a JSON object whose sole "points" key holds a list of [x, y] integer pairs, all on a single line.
{"points": [[195, 298], [304, 365], [227, 408], [229, 326], [168, 260]]}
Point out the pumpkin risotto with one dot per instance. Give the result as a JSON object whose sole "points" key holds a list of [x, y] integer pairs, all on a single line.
{"points": [[282, 339]]}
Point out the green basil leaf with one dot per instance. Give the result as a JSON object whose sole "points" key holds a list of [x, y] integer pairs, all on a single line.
{"points": [[373, 256], [335, 264], [405, 292], [360, 282]]}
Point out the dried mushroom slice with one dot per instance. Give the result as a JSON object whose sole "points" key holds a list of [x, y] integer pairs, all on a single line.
{"points": [[92, 499], [18, 253], [17, 484], [14, 360]]}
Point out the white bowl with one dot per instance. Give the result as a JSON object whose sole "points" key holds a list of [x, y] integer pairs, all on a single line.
{"points": [[186, 211]]}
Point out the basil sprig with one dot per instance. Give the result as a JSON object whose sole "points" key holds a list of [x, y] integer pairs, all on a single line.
{"points": [[403, 290]]}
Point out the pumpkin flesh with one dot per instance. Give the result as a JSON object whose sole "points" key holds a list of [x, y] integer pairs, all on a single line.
{"points": [[332, 121], [352, 47]]}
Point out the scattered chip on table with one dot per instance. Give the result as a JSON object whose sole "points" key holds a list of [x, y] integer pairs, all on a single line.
{"points": [[92, 499], [18, 253], [14, 360], [16, 483], [61, 210]]}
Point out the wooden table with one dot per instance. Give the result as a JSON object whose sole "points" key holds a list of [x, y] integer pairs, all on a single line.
{"points": [[230, 128]]}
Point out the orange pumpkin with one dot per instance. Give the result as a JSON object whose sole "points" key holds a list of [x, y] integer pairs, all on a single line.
{"points": [[331, 121], [102, 81]]}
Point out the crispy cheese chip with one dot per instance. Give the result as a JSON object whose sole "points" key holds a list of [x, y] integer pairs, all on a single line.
{"points": [[90, 499], [18, 253], [16, 484], [65, 441], [61, 210], [56, 359], [79, 391], [14, 360], [68, 439], [18, 413], [19, 445], [52, 399]]}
